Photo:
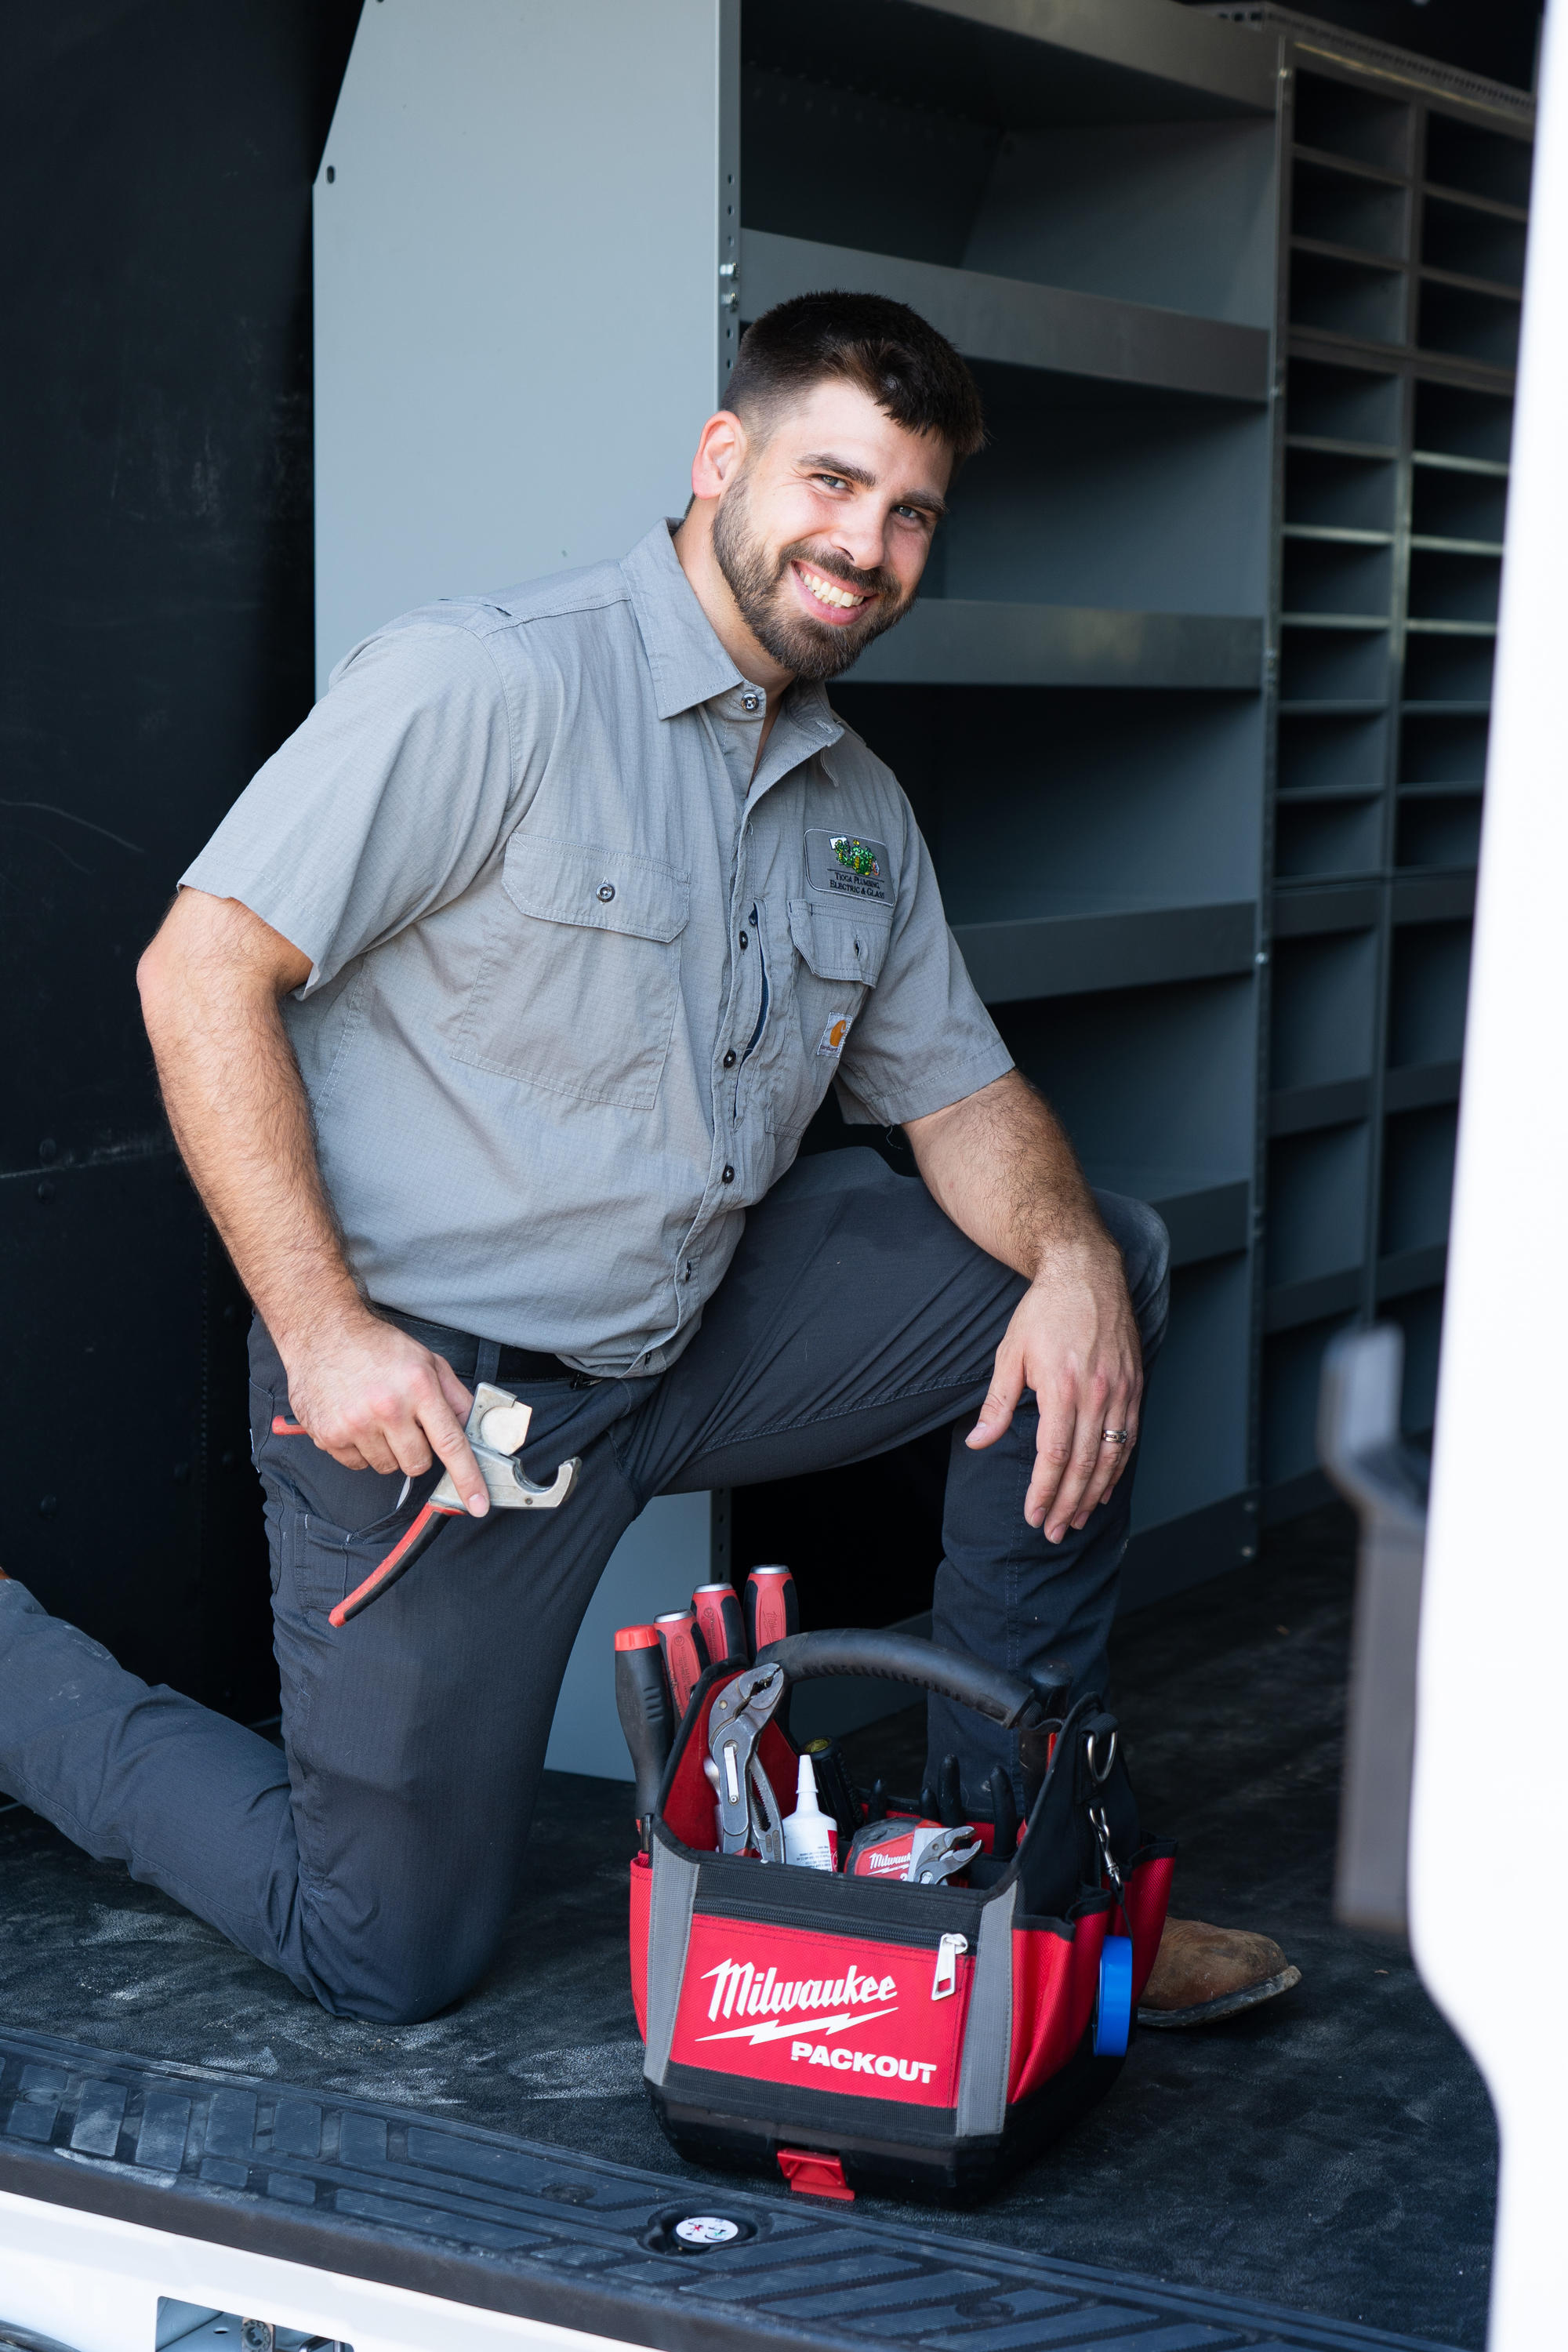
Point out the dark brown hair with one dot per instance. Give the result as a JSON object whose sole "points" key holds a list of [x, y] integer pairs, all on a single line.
{"points": [[911, 372]]}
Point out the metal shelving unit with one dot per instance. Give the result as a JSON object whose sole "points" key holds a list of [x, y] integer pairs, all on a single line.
{"points": [[1193, 707], [1403, 209]]}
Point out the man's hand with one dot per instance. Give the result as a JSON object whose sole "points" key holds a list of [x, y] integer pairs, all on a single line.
{"points": [[375, 1400], [1073, 1341]]}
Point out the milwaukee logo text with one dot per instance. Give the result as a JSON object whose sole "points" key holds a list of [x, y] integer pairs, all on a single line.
{"points": [[742, 1990]]}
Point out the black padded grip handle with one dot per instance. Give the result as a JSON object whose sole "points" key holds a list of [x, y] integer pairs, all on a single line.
{"points": [[904, 1658]]}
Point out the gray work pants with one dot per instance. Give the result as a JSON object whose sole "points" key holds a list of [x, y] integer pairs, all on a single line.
{"points": [[374, 1861]]}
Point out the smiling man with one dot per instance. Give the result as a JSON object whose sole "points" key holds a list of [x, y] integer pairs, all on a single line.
{"points": [[489, 1023]]}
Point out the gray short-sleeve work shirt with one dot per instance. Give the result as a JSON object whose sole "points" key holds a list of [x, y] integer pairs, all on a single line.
{"points": [[579, 978]]}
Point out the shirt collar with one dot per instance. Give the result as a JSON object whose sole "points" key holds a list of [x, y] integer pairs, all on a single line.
{"points": [[685, 658]]}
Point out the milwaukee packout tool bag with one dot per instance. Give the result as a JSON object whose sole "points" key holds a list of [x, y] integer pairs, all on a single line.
{"points": [[862, 2030]]}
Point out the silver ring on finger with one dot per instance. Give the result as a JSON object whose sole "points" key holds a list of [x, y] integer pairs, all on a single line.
{"points": [[1113, 1437]]}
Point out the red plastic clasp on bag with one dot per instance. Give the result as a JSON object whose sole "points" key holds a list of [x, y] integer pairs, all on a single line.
{"points": [[812, 2174]]}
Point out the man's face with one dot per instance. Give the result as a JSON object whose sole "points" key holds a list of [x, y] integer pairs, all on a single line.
{"points": [[823, 533]]}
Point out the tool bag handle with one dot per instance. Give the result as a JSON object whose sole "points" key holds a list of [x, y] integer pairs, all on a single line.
{"points": [[905, 1658]]}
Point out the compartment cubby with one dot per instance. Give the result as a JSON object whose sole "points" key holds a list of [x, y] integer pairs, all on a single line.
{"points": [[1327, 490], [1331, 575], [1429, 979], [1440, 830], [1442, 750], [1330, 665], [1345, 756], [1042, 801], [1340, 119], [1180, 1118], [1467, 323], [1452, 421], [1317, 1203], [1178, 214], [1444, 668], [1340, 295], [1420, 1317], [1326, 839], [1130, 504], [1322, 1010], [1446, 504], [1342, 208], [1417, 1177], [1292, 1376], [1472, 243], [1447, 586], [1194, 1449], [1477, 162], [1325, 402]]}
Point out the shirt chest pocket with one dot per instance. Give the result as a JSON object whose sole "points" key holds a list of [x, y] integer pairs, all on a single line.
{"points": [[838, 955], [579, 978]]}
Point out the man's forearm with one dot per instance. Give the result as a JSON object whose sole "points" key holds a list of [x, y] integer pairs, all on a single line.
{"points": [[236, 1105], [999, 1165]]}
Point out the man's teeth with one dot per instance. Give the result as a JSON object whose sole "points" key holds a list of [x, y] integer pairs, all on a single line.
{"points": [[827, 591]]}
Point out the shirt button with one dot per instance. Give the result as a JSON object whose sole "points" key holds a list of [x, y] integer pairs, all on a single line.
{"points": [[726, 1176], [730, 1059], [607, 892], [750, 702], [745, 943]]}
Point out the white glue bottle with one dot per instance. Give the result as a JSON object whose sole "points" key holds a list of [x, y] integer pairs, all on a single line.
{"points": [[810, 1837]]}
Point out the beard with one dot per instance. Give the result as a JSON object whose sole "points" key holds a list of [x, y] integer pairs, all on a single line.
{"points": [[759, 581]]}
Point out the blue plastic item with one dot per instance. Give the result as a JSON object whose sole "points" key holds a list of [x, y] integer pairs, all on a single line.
{"points": [[1113, 2011]]}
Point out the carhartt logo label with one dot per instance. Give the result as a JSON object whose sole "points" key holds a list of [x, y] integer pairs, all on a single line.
{"points": [[835, 1033]]}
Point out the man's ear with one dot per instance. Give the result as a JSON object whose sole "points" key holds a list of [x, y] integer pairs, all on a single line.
{"points": [[720, 453]]}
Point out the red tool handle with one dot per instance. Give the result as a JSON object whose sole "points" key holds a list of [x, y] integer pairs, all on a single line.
{"points": [[685, 1654], [717, 1608], [282, 1428], [772, 1611], [398, 1560]]}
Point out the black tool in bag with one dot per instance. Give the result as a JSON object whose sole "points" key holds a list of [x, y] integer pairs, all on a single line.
{"points": [[865, 2030]]}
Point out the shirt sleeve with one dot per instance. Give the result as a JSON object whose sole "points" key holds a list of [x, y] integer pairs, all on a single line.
{"points": [[923, 1039], [382, 806]]}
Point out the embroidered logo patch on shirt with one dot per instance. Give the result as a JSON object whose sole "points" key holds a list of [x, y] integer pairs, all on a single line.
{"points": [[835, 1033], [845, 866]]}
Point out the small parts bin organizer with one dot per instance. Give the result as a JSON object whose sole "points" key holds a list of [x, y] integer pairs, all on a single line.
{"points": [[862, 2031]]}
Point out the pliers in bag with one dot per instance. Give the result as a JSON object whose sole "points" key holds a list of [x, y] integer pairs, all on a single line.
{"points": [[496, 1430], [749, 1817]]}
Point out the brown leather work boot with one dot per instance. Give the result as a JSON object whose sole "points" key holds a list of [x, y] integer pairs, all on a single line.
{"points": [[1202, 1972]]}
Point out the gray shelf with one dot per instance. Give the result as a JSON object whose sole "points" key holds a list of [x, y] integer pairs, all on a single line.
{"points": [[1297, 1110], [1075, 955], [1015, 323], [964, 641]]}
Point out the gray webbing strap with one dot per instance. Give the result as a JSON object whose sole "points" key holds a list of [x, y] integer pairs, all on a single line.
{"points": [[668, 1932], [988, 2030]]}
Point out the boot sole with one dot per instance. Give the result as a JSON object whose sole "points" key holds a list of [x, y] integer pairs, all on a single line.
{"points": [[1227, 2004]]}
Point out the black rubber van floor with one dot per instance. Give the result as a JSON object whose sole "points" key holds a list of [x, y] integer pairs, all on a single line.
{"points": [[1332, 2152]]}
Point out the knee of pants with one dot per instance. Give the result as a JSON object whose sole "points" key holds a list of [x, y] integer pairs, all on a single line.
{"points": [[399, 1970]]}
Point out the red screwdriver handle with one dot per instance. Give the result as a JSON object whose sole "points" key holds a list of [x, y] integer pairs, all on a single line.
{"points": [[773, 1611], [282, 1428], [717, 1608]]}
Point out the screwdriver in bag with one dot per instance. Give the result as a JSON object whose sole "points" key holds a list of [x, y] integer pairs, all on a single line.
{"points": [[685, 1654], [717, 1608], [772, 1610], [648, 1718]]}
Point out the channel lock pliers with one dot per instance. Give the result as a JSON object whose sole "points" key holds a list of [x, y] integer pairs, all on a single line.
{"points": [[749, 1819], [496, 1429]]}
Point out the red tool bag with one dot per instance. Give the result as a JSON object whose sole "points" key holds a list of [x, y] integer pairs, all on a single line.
{"points": [[857, 2032]]}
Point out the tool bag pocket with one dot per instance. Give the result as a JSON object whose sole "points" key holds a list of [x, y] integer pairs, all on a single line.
{"points": [[923, 2039]]}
